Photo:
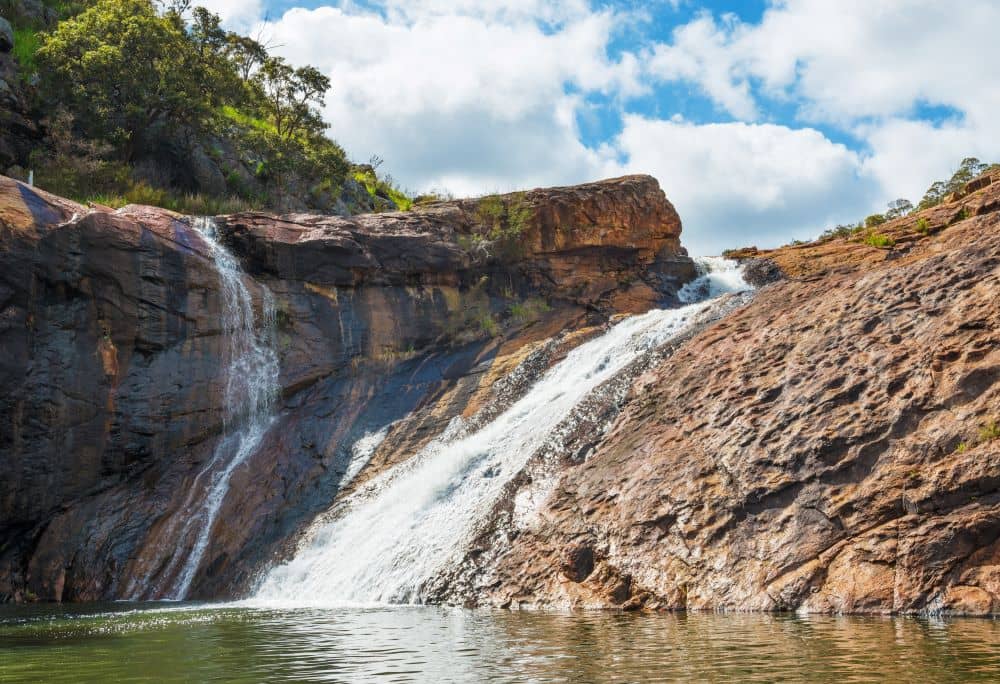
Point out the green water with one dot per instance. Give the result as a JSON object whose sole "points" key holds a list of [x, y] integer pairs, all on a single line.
{"points": [[186, 643]]}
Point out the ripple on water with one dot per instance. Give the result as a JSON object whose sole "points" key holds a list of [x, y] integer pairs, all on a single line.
{"points": [[188, 642]]}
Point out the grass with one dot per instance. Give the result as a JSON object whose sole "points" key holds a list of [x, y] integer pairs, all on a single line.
{"points": [[378, 187], [26, 43], [879, 240], [923, 226], [193, 204], [245, 120], [488, 325], [529, 310], [989, 431]]}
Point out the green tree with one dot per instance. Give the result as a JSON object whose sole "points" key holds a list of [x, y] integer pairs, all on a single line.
{"points": [[290, 97], [899, 207], [124, 69]]}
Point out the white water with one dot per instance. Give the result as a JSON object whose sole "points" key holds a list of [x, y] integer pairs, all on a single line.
{"points": [[251, 387], [362, 452], [384, 542]]}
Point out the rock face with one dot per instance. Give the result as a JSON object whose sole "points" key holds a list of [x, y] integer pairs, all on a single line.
{"points": [[112, 373], [830, 444], [833, 446]]}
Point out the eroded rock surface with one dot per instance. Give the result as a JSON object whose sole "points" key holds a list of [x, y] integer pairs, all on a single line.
{"points": [[112, 372], [833, 446]]}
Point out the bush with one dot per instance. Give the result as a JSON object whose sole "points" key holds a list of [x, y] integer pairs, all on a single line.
{"points": [[923, 226], [529, 310], [502, 221], [989, 431], [879, 240], [874, 220]]}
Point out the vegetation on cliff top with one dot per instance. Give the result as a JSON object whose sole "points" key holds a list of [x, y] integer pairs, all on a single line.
{"points": [[969, 169], [156, 103]]}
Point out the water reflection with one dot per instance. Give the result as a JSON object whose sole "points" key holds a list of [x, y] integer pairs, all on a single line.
{"points": [[190, 643]]}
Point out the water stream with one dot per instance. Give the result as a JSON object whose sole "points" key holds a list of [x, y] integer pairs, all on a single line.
{"points": [[383, 543], [251, 374]]}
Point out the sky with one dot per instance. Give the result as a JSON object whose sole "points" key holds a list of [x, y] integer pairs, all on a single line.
{"points": [[764, 120]]}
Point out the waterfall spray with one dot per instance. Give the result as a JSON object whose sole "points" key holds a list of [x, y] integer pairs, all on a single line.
{"points": [[385, 542], [251, 388]]}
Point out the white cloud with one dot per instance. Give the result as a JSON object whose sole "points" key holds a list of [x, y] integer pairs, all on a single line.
{"points": [[701, 53], [867, 67], [465, 101], [481, 95], [736, 184], [238, 15]]}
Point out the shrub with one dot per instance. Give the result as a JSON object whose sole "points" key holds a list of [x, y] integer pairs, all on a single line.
{"points": [[529, 310], [989, 431], [879, 240], [502, 219], [874, 220], [923, 226], [488, 325]]}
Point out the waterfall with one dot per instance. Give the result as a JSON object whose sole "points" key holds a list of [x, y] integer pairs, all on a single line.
{"points": [[251, 373], [384, 542]]}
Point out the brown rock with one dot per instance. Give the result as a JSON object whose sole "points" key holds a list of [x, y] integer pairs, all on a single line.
{"points": [[112, 379], [820, 449]]}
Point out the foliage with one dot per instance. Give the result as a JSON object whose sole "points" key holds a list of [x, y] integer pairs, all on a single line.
{"points": [[26, 43], [380, 188], [968, 169], [898, 207], [874, 220], [502, 219], [989, 431], [529, 310], [124, 69], [879, 240], [162, 83], [488, 325], [923, 226], [845, 231]]}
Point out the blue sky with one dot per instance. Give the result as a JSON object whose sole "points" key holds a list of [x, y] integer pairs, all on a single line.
{"points": [[764, 121]]}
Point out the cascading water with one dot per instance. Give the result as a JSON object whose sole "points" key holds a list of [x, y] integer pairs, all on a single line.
{"points": [[251, 388], [384, 542]]}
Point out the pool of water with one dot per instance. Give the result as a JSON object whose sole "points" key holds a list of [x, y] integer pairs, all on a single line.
{"points": [[188, 642]]}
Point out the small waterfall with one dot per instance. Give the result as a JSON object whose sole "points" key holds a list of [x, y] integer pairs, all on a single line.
{"points": [[251, 387], [385, 542]]}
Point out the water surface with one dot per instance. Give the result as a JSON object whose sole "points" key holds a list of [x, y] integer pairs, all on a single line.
{"points": [[134, 643]]}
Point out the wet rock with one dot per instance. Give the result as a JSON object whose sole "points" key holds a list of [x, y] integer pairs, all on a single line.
{"points": [[112, 382], [761, 272], [829, 447]]}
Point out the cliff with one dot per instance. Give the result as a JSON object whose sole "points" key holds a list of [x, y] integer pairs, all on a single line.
{"points": [[832, 446], [112, 375]]}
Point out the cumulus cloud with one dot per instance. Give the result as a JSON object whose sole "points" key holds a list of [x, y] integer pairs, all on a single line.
{"points": [[701, 52], [460, 100], [481, 95], [866, 67], [736, 184]]}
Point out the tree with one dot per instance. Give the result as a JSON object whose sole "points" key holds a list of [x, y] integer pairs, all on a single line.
{"points": [[290, 96], [246, 54], [124, 69], [874, 220], [899, 207], [934, 195], [967, 170]]}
